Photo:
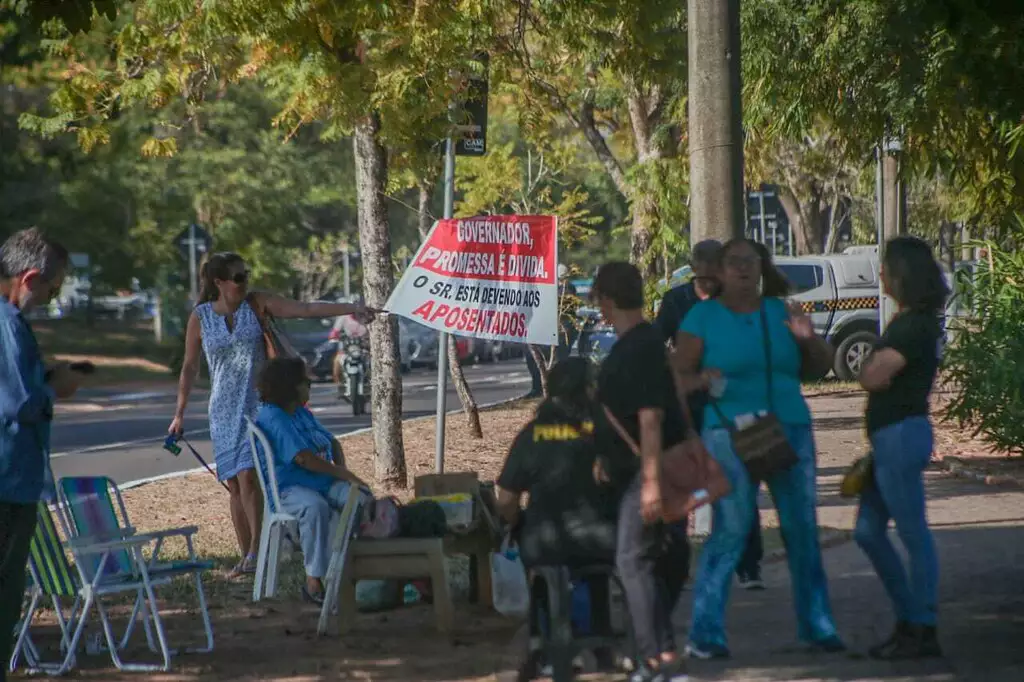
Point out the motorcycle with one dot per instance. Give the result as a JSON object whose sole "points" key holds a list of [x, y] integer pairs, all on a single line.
{"points": [[352, 365]]}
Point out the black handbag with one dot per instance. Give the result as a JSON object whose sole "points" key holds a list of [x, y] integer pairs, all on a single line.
{"points": [[762, 445]]}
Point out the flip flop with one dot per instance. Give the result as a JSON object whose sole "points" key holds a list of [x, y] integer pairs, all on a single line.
{"points": [[313, 597], [246, 565]]}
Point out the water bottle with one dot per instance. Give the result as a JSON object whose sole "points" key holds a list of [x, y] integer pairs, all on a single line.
{"points": [[579, 613], [410, 595]]}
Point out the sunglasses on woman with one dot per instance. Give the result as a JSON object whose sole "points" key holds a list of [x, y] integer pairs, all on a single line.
{"points": [[239, 277]]}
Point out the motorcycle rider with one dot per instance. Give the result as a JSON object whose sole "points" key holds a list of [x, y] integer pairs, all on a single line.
{"points": [[349, 328]]}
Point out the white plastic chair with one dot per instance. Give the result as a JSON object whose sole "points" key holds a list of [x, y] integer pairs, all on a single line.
{"points": [[274, 518]]}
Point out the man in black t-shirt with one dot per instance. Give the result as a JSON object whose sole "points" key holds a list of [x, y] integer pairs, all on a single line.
{"points": [[637, 388]]}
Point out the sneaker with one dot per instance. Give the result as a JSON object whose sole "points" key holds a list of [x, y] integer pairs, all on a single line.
{"points": [[909, 641], [647, 674], [674, 670], [829, 645], [706, 652], [750, 580]]}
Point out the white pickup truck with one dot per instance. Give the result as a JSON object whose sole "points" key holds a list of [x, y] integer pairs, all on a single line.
{"points": [[840, 293]]}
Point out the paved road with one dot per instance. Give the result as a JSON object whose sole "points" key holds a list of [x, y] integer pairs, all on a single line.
{"points": [[122, 436]]}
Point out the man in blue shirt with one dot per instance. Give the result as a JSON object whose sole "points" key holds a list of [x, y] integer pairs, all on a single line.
{"points": [[31, 273]]}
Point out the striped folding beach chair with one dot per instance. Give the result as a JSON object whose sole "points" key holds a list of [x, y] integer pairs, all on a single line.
{"points": [[109, 557], [54, 579]]}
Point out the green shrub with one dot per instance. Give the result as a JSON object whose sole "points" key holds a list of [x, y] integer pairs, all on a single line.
{"points": [[986, 358]]}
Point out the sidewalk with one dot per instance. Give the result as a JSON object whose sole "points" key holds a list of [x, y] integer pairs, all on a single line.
{"points": [[980, 535]]}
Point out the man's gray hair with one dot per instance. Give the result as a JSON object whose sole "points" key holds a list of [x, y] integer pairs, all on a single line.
{"points": [[31, 250], [705, 252]]}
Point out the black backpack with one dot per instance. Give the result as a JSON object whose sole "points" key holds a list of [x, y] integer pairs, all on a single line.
{"points": [[422, 519]]}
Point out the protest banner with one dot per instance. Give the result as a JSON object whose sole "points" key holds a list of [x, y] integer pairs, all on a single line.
{"points": [[491, 277]]}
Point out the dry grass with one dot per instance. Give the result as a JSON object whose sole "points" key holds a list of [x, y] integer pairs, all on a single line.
{"points": [[276, 639]]}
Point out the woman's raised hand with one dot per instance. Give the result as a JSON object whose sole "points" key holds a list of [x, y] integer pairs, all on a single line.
{"points": [[799, 323]]}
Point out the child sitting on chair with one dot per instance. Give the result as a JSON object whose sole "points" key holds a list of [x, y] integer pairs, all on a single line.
{"points": [[308, 463]]}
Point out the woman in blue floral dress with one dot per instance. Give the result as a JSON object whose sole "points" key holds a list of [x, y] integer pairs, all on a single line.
{"points": [[226, 327]]}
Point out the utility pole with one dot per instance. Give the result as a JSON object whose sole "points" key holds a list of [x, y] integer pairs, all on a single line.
{"points": [[891, 209], [715, 121], [893, 193]]}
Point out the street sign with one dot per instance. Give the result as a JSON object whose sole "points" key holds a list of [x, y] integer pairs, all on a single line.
{"points": [[472, 122], [203, 241]]}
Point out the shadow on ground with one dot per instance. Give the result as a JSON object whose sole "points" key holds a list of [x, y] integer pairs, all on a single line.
{"points": [[981, 616]]}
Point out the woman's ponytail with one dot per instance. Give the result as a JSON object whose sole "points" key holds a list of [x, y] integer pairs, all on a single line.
{"points": [[217, 266], [207, 288], [773, 282]]}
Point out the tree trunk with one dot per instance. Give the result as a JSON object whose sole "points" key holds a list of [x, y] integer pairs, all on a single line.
{"points": [[542, 367], [378, 281], [425, 221], [462, 388], [645, 117], [806, 218], [835, 222]]}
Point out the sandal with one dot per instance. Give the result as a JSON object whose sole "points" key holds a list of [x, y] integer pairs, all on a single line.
{"points": [[313, 597], [246, 565]]}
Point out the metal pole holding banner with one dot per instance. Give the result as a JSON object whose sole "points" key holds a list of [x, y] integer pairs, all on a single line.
{"points": [[442, 345]]}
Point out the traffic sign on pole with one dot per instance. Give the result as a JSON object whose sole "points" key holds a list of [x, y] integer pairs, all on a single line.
{"points": [[193, 242], [471, 123]]}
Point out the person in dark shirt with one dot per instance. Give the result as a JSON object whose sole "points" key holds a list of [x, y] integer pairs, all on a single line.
{"points": [[899, 377], [571, 518], [31, 273], [636, 386], [674, 308]]}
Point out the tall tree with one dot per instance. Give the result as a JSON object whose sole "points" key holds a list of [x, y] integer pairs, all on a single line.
{"points": [[354, 67]]}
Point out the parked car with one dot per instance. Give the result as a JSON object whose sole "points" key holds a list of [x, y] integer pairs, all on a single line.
{"points": [[312, 339]]}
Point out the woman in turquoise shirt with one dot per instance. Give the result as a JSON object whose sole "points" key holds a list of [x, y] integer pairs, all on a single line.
{"points": [[725, 338]]}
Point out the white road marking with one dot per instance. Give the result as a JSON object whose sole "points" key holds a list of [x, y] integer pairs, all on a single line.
{"points": [[509, 379], [122, 444]]}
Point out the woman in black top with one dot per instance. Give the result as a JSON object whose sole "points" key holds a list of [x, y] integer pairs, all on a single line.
{"points": [[898, 377]]}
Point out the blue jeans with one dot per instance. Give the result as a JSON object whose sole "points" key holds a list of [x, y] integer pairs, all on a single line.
{"points": [[901, 453], [793, 492]]}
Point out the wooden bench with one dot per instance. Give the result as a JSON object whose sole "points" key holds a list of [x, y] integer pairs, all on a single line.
{"points": [[409, 558], [405, 558]]}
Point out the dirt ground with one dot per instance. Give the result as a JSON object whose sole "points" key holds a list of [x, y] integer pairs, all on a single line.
{"points": [[276, 639]]}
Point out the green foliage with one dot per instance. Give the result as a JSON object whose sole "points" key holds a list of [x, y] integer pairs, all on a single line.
{"points": [[986, 361], [937, 73]]}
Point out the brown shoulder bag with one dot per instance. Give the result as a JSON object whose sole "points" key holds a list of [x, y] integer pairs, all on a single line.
{"points": [[690, 477]]}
